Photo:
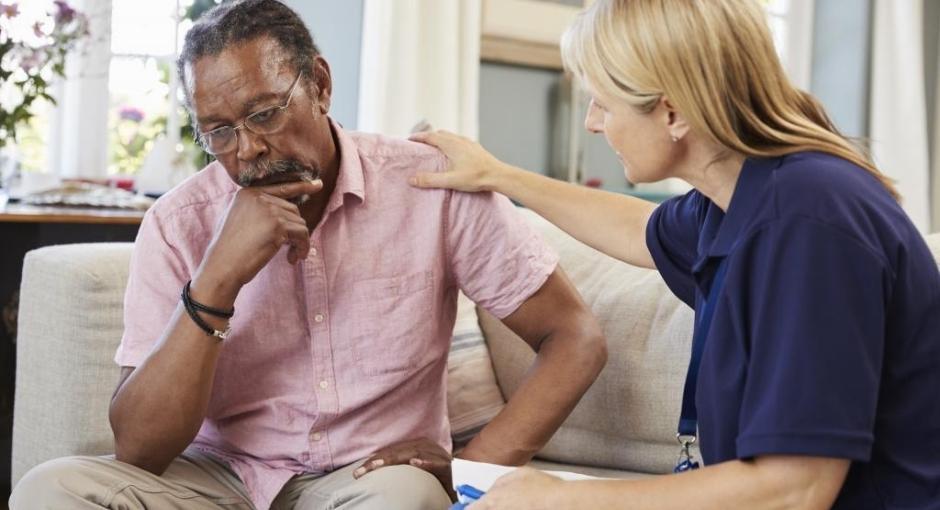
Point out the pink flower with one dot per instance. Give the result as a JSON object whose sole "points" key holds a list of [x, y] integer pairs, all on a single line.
{"points": [[34, 60], [131, 113], [10, 11], [64, 12]]}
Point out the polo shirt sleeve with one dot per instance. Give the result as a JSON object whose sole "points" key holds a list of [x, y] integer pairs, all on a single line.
{"points": [[672, 239], [497, 259], [156, 278], [815, 316]]}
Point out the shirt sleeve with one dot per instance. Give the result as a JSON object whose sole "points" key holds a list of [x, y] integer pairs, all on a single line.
{"points": [[156, 278], [815, 319], [497, 259], [672, 238]]}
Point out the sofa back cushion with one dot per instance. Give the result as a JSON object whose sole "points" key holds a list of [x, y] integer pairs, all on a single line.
{"points": [[627, 420]]}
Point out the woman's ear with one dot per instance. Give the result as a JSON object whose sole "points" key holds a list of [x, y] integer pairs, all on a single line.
{"points": [[676, 124]]}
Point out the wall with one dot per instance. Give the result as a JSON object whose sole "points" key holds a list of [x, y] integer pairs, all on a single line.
{"points": [[932, 73], [841, 55], [337, 30], [519, 107]]}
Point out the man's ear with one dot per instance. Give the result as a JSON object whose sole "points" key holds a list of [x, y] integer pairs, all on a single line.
{"points": [[676, 124], [323, 81]]}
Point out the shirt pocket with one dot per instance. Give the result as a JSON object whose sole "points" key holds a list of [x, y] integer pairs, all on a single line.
{"points": [[392, 332]]}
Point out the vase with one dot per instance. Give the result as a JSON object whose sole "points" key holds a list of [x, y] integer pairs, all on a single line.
{"points": [[9, 169]]}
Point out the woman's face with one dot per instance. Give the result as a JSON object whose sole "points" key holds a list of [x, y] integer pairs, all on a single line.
{"points": [[641, 140]]}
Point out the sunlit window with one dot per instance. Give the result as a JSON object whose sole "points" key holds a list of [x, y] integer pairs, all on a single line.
{"points": [[143, 51]]}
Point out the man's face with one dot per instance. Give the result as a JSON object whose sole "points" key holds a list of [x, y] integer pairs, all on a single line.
{"points": [[251, 78]]}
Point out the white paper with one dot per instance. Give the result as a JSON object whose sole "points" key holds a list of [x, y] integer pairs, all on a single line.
{"points": [[482, 475]]}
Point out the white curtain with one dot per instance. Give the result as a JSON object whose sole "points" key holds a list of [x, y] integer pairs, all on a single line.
{"points": [[898, 103], [935, 198], [420, 62], [80, 122]]}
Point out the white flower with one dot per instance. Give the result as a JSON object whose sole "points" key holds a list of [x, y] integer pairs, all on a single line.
{"points": [[8, 61], [10, 95]]}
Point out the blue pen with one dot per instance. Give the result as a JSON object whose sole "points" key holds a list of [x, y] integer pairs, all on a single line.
{"points": [[466, 494]]}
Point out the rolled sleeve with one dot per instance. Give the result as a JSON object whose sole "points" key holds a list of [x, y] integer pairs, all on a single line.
{"points": [[498, 260], [157, 275]]}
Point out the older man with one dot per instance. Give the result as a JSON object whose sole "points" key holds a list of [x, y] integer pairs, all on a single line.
{"points": [[289, 308]]}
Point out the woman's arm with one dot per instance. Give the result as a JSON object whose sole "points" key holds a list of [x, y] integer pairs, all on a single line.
{"points": [[609, 222], [765, 483]]}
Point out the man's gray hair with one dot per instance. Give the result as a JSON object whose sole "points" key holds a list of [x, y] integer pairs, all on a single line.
{"points": [[235, 22]]}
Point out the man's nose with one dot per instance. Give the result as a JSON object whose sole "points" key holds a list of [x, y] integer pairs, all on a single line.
{"points": [[250, 145]]}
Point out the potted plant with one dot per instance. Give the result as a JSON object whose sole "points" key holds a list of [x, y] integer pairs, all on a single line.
{"points": [[33, 49]]}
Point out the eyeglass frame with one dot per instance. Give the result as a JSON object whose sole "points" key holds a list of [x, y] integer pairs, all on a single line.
{"points": [[201, 137]]}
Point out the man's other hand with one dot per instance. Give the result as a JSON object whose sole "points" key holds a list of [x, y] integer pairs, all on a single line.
{"points": [[422, 454]]}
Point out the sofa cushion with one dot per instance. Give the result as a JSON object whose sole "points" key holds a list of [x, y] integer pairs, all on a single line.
{"points": [[473, 397], [627, 420], [70, 323], [933, 241]]}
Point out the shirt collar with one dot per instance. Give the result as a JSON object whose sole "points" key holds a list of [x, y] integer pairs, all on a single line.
{"points": [[721, 230], [349, 179]]}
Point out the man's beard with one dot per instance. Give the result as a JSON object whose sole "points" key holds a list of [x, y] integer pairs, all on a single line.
{"points": [[265, 172]]}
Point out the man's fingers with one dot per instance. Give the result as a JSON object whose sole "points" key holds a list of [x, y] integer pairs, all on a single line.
{"points": [[286, 205], [299, 238], [386, 458], [372, 463], [288, 190], [430, 465]]}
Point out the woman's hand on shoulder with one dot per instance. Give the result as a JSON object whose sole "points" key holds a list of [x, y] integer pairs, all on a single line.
{"points": [[471, 168]]}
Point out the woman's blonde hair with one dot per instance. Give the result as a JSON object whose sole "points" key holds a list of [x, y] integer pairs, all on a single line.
{"points": [[715, 62]]}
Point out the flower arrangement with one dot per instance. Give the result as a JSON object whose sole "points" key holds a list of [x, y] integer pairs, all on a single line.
{"points": [[32, 54]]}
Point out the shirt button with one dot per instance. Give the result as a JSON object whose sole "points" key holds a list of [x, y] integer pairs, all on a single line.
{"points": [[316, 436], [318, 317], [324, 384], [313, 252]]}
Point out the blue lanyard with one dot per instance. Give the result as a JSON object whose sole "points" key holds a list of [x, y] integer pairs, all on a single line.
{"points": [[688, 420]]}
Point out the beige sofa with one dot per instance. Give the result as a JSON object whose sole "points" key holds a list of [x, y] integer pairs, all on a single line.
{"points": [[70, 324]]}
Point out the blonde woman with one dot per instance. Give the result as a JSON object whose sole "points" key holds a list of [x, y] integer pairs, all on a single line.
{"points": [[816, 353]]}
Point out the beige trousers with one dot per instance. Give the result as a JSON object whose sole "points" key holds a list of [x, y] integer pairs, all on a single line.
{"points": [[197, 481]]}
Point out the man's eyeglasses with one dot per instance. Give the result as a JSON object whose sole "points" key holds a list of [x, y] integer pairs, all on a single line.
{"points": [[263, 122]]}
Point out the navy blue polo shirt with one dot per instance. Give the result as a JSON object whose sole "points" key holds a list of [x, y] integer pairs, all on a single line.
{"points": [[826, 334]]}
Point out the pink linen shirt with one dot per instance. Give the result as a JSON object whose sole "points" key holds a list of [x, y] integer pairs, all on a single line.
{"points": [[344, 353]]}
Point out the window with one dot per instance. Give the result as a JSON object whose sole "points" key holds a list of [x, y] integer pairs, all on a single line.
{"points": [[145, 37], [134, 44]]}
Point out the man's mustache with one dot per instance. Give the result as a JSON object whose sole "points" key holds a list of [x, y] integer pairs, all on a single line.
{"points": [[270, 172]]}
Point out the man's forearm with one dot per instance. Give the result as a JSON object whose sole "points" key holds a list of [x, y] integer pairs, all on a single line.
{"points": [[158, 410], [567, 364]]}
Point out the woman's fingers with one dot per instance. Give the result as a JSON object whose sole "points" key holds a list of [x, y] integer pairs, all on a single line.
{"points": [[434, 180]]}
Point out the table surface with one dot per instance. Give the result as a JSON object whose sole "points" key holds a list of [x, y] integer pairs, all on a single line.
{"points": [[22, 213]]}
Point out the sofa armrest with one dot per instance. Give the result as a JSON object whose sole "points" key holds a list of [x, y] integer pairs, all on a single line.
{"points": [[70, 323]]}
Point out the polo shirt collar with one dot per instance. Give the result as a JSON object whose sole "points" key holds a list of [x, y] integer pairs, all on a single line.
{"points": [[721, 230]]}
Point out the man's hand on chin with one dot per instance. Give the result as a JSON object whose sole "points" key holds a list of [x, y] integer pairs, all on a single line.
{"points": [[421, 453]]}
